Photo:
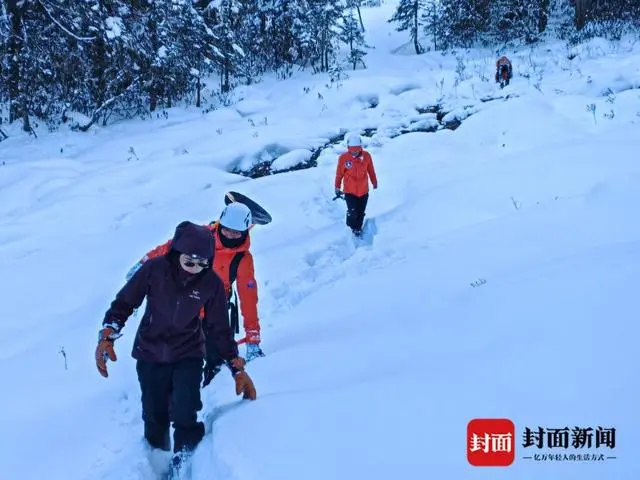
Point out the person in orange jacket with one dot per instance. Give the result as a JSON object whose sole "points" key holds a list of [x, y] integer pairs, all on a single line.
{"points": [[355, 169], [232, 262], [503, 65]]}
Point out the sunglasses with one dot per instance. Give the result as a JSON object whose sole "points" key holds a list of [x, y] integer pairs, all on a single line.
{"points": [[191, 263]]}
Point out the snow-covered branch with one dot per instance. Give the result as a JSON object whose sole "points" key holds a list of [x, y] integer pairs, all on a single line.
{"points": [[3, 12], [107, 104], [62, 27]]}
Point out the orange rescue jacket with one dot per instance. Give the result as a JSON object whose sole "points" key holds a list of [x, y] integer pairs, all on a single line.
{"points": [[355, 169]]}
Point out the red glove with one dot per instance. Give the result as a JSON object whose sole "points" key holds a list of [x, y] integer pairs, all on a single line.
{"points": [[105, 350]]}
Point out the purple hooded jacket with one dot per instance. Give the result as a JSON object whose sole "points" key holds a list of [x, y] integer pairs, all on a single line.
{"points": [[170, 329]]}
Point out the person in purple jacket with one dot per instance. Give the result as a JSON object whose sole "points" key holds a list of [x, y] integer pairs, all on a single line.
{"points": [[172, 340]]}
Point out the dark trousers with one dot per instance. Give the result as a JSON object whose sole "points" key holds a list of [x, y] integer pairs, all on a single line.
{"points": [[356, 207], [171, 393]]}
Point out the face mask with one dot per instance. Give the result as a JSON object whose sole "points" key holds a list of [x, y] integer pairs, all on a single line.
{"points": [[234, 240]]}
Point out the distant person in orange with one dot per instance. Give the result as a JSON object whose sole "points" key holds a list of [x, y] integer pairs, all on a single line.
{"points": [[355, 169], [504, 70]]}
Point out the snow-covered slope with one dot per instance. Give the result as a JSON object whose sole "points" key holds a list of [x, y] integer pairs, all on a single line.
{"points": [[499, 283]]}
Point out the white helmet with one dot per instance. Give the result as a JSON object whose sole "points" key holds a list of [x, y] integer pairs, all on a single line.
{"points": [[236, 216], [354, 140]]}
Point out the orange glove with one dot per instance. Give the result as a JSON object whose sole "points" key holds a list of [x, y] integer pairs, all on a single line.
{"points": [[105, 350], [238, 363], [244, 384]]}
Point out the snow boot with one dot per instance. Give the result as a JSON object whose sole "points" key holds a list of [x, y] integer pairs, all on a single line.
{"points": [[159, 461], [180, 466]]}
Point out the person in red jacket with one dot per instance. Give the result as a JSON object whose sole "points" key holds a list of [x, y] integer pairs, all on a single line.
{"points": [[355, 169], [233, 262], [504, 70]]}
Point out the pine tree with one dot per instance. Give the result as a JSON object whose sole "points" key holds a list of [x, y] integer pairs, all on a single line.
{"points": [[351, 34], [227, 50], [408, 16], [357, 4], [544, 11], [524, 19], [277, 19], [42, 57], [464, 22], [432, 20], [248, 25], [194, 50], [317, 31]]}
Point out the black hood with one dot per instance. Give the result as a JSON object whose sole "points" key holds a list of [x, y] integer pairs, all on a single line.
{"points": [[193, 239]]}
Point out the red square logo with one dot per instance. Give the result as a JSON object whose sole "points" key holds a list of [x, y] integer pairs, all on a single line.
{"points": [[490, 442]]}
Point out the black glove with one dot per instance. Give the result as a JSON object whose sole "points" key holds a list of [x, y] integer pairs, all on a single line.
{"points": [[210, 371]]}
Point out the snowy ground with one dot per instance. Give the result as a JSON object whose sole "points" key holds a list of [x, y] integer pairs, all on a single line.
{"points": [[500, 282]]}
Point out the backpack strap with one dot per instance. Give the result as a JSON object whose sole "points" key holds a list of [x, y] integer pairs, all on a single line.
{"points": [[233, 267], [234, 317]]}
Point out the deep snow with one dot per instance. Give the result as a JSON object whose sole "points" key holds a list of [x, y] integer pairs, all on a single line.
{"points": [[500, 281]]}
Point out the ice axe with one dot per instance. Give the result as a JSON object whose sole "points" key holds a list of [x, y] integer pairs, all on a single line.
{"points": [[340, 195]]}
